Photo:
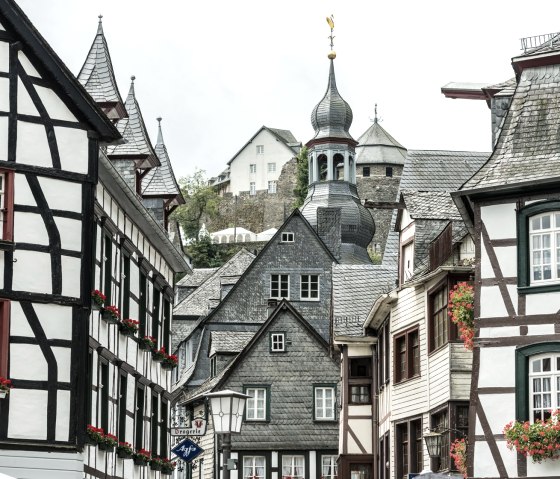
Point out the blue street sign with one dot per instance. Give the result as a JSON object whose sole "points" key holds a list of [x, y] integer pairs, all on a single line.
{"points": [[187, 450]]}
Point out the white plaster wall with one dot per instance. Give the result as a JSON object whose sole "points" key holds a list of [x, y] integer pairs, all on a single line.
{"points": [[540, 329], [507, 259], [62, 195], [495, 367], [500, 220], [73, 149], [56, 320], [4, 56], [25, 104], [549, 468], [542, 303], [274, 152], [30, 228], [55, 107], [486, 270], [38, 263], [499, 409], [363, 432], [62, 416], [499, 332], [4, 139], [32, 145], [484, 465], [4, 93], [491, 302], [70, 233], [71, 268], [28, 362], [26, 404], [22, 192], [42, 465], [27, 66]]}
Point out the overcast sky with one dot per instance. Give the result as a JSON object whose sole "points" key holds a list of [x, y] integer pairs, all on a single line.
{"points": [[216, 71]]}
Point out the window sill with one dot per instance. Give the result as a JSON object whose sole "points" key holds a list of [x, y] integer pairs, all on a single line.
{"points": [[322, 421], [541, 288], [406, 380], [7, 245]]}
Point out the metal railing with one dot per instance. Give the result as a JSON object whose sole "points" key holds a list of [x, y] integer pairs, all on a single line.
{"points": [[528, 43]]}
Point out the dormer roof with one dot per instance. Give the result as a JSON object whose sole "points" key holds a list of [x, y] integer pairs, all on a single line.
{"points": [[376, 146], [98, 78], [133, 129], [160, 182]]}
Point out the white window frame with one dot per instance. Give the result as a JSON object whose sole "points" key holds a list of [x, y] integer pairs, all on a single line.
{"points": [[252, 188], [309, 280], [272, 185], [255, 408], [277, 342], [253, 168], [329, 467], [260, 149], [271, 167], [325, 403], [544, 386], [251, 464], [292, 465], [280, 279], [287, 237], [537, 250]]}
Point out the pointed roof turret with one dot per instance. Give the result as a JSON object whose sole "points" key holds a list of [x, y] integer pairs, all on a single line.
{"points": [[138, 146], [98, 78], [160, 182], [376, 146]]}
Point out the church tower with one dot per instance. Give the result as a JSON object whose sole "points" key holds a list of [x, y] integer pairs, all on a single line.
{"points": [[332, 205]]}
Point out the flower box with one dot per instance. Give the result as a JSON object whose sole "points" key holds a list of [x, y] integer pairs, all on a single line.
{"points": [[97, 299], [124, 450], [167, 366], [111, 314], [155, 466], [128, 327], [94, 435], [167, 466], [141, 457], [103, 446], [146, 343], [166, 472], [170, 361], [141, 461], [159, 354]]}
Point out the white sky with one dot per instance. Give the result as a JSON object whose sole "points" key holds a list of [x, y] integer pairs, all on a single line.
{"points": [[216, 71]]}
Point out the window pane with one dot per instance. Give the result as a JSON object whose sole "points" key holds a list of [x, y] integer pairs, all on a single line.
{"points": [[547, 272], [546, 364], [547, 401], [536, 257], [537, 385], [546, 384], [537, 366], [546, 241], [535, 224], [545, 222], [536, 242]]}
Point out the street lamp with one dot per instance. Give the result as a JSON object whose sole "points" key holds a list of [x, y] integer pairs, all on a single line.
{"points": [[433, 443], [227, 415]]}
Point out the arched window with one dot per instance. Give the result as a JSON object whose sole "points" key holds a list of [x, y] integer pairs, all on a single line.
{"points": [[323, 167], [338, 166]]}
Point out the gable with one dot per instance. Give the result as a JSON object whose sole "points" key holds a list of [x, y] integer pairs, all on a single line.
{"points": [[273, 145]]}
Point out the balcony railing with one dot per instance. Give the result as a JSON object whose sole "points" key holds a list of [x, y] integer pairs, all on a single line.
{"points": [[528, 43]]}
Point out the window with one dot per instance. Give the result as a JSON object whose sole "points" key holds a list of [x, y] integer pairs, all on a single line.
{"points": [[107, 267], [293, 467], [407, 355], [365, 171], [5, 337], [359, 380], [142, 305], [213, 366], [252, 168], [260, 149], [154, 432], [440, 327], [538, 239], [139, 418], [122, 406], [272, 186], [389, 171], [310, 287], [257, 404], [252, 188], [325, 401], [360, 471], [104, 395], [126, 287], [271, 167], [408, 448], [254, 467], [329, 468], [544, 386], [163, 428], [279, 286], [287, 238], [407, 261], [277, 342], [155, 315], [6, 205], [166, 330], [384, 457]]}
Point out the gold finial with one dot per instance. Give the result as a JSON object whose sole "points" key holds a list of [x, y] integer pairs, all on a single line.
{"points": [[332, 53]]}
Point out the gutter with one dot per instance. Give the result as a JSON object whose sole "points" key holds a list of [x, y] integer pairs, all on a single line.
{"points": [[381, 306]]}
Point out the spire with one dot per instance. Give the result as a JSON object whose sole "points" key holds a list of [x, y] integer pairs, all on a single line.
{"points": [[160, 182], [133, 129], [98, 77]]}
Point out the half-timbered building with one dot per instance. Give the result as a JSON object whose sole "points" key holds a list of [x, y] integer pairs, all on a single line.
{"points": [[511, 206], [72, 224]]}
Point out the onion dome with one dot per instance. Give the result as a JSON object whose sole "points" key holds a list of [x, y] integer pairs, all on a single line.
{"points": [[332, 117]]}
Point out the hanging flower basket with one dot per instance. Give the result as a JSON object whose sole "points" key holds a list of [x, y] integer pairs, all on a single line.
{"points": [[461, 311], [129, 327], [159, 354], [141, 457], [147, 343], [97, 299], [111, 314], [458, 452], [169, 362], [540, 440], [124, 450]]}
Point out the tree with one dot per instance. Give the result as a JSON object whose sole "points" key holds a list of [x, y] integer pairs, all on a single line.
{"points": [[302, 178], [204, 253], [201, 201]]}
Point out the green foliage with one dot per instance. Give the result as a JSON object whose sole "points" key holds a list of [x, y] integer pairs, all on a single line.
{"points": [[204, 253], [302, 178], [201, 201]]}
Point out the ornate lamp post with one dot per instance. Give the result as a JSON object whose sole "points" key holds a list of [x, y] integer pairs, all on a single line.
{"points": [[433, 443], [227, 415]]}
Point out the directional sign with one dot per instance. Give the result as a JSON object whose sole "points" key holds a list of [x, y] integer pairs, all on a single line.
{"points": [[187, 450], [198, 429]]}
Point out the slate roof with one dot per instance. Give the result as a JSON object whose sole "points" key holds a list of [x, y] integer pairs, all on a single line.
{"points": [[528, 148], [198, 276], [355, 290], [196, 304], [96, 74], [160, 181], [430, 205], [138, 146], [228, 341], [376, 146], [438, 170], [284, 136]]}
